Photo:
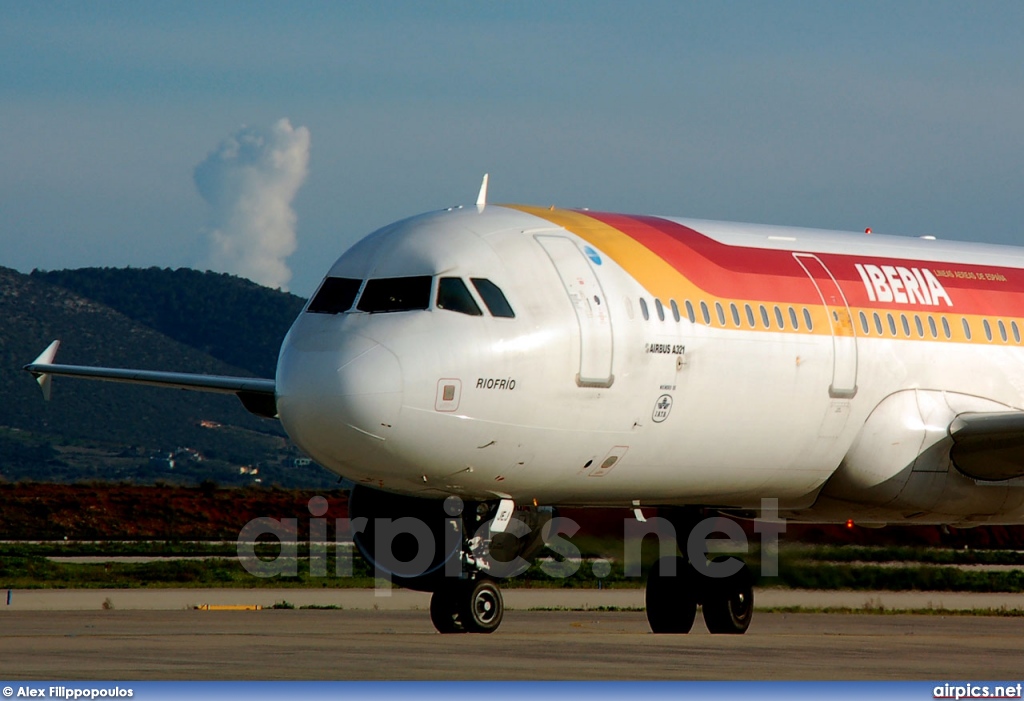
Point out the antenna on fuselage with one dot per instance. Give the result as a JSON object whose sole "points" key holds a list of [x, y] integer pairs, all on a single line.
{"points": [[481, 199]]}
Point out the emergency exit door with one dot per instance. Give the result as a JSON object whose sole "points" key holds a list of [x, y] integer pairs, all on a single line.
{"points": [[844, 336]]}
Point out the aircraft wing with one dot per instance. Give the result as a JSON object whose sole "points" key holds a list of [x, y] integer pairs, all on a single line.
{"points": [[989, 446], [256, 395]]}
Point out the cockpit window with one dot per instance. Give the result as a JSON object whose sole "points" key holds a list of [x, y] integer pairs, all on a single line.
{"points": [[453, 295], [395, 294], [335, 295], [493, 298]]}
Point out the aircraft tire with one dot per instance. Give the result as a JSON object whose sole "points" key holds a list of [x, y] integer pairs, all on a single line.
{"points": [[444, 611], [729, 608], [481, 606], [671, 600]]}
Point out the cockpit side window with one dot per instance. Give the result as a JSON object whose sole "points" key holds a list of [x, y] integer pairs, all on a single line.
{"points": [[493, 298], [395, 294], [335, 295], [453, 295]]}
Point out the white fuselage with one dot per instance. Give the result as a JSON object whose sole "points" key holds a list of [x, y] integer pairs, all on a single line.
{"points": [[596, 393]]}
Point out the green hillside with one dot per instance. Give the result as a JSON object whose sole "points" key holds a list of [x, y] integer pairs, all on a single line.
{"points": [[230, 318], [96, 430]]}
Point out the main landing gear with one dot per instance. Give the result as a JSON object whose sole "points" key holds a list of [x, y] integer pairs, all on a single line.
{"points": [[675, 587]]}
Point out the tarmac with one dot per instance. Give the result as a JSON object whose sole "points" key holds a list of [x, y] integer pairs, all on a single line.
{"points": [[395, 599], [158, 634]]}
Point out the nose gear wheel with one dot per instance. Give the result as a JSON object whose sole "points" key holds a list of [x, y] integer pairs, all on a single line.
{"points": [[475, 606]]}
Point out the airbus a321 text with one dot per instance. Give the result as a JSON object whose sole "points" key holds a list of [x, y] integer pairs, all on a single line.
{"points": [[474, 368]]}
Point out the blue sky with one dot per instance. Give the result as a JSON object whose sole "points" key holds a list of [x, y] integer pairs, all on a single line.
{"points": [[903, 116]]}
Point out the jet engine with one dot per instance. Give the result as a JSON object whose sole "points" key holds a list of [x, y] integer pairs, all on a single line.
{"points": [[899, 467]]}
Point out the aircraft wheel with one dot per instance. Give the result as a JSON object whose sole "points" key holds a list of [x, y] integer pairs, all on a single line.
{"points": [[444, 611], [729, 606], [671, 600], [481, 606]]}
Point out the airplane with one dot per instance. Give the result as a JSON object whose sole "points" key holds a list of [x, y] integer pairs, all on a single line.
{"points": [[473, 368]]}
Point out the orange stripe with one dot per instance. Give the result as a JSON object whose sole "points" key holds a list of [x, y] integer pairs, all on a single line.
{"points": [[667, 282]]}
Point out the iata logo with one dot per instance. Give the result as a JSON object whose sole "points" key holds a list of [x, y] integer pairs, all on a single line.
{"points": [[889, 283], [662, 408]]}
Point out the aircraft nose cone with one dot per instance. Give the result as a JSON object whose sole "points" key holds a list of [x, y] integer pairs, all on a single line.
{"points": [[339, 402], [369, 382]]}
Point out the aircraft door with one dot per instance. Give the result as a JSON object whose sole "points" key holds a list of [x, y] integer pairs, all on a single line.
{"points": [[591, 307], [844, 335]]}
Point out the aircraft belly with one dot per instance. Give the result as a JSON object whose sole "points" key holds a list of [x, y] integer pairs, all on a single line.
{"points": [[532, 462]]}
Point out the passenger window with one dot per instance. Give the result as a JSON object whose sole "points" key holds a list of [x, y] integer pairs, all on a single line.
{"points": [[1002, 330], [919, 325], [778, 318], [764, 317], [704, 312], [453, 295], [675, 310], [689, 313], [967, 328], [793, 319], [735, 314], [892, 324], [720, 312], [864, 323], [395, 294], [643, 309], [988, 329], [878, 324], [807, 320], [660, 308], [335, 295], [906, 325], [946, 331], [1016, 331], [493, 297], [931, 326], [750, 315]]}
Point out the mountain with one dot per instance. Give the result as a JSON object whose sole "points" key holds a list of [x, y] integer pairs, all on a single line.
{"points": [[230, 318], [154, 319]]}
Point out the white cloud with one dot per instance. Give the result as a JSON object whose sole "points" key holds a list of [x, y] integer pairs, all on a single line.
{"points": [[250, 181]]}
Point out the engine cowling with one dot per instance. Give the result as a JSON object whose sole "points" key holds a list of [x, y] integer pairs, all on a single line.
{"points": [[407, 539], [900, 462]]}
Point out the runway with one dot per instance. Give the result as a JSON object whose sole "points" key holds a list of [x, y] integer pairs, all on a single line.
{"points": [[399, 643]]}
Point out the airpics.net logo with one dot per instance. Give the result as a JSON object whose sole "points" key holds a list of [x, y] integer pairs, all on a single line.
{"points": [[978, 691], [390, 540]]}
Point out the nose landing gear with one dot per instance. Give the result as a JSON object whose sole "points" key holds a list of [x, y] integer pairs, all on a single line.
{"points": [[474, 606], [494, 545]]}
